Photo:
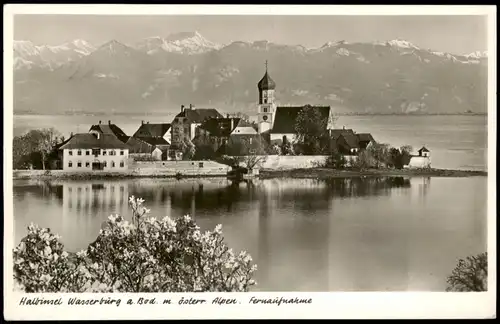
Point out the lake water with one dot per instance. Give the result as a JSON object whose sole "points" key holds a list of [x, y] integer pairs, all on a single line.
{"points": [[455, 142], [359, 234]]}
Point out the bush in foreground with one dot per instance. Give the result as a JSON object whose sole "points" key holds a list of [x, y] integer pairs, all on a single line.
{"points": [[470, 274], [147, 255]]}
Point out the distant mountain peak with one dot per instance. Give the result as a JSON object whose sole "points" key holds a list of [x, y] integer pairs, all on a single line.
{"points": [[401, 43], [477, 55], [114, 46], [189, 42], [183, 35]]}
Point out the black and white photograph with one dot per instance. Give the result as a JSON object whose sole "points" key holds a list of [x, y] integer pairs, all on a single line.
{"points": [[275, 155]]}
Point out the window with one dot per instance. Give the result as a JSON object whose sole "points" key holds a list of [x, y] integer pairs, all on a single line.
{"points": [[250, 141], [105, 164], [79, 152], [265, 100], [79, 164], [122, 164], [96, 152], [70, 164], [87, 153], [201, 165], [122, 152], [70, 152], [104, 152], [113, 164], [111, 152], [87, 164], [265, 109]]}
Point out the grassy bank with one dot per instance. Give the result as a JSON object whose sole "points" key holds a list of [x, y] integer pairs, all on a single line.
{"points": [[314, 173], [324, 173]]}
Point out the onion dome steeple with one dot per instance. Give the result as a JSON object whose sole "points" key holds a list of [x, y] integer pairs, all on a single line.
{"points": [[266, 83]]}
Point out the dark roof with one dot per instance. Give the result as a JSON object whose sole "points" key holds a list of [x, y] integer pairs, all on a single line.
{"points": [[284, 121], [351, 140], [146, 144], [222, 127], [152, 130], [335, 133], [155, 140], [137, 145], [90, 141], [110, 129], [266, 83], [365, 137], [227, 148], [198, 115], [423, 149]]}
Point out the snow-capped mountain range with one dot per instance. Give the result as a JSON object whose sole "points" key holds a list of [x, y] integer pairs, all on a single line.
{"points": [[158, 72], [27, 55]]}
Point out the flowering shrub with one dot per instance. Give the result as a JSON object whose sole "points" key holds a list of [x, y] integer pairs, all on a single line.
{"points": [[147, 255]]}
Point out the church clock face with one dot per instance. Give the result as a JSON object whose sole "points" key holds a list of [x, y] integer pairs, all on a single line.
{"points": [[264, 118]]}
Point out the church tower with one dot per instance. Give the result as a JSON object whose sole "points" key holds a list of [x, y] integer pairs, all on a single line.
{"points": [[266, 107]]}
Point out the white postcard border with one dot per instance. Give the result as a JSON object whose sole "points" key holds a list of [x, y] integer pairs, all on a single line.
{"points": [[324, 305]]}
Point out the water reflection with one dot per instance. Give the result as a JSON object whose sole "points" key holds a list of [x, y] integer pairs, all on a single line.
{"points": [[369, 233], [192, 196]]}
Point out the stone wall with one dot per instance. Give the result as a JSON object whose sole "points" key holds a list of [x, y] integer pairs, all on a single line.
{"points": [[171, 168], [419, 162], [283, 162]]}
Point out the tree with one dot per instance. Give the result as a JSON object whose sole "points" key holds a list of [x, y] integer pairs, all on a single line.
{"points": [[188, 149], [147, 255], [35, 147], [380, 154], [336, 160], [470, 274], [311, 130], [249, 151]]}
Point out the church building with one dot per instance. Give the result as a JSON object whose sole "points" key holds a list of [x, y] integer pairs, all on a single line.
{"points": [[279, 122]]}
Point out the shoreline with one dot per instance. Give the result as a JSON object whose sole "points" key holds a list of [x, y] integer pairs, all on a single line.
{"points": [[309, 173], [325, 173]]}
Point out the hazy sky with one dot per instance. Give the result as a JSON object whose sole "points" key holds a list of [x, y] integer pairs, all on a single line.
{"points": [[454, 34]]}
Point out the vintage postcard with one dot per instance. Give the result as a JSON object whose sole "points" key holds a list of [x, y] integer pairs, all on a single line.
{"points": [[190, 161]]}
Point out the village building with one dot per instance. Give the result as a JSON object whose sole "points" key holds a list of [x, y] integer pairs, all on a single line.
{"points": [[278, 122], [184, 126], [347, 142], [94, 152], [420, 161], [148, 148], [159, 130], [150, 142], [110, 129], [221, 134], [284, 122]]}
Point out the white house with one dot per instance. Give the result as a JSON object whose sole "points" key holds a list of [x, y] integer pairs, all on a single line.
{"points": [[94, 152], [420, 161]]}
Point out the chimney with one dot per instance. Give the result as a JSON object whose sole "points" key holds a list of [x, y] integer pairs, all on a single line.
{"points": [[99, 122], [142, 122], [147, 122], [190, 106], [343, 127], [71, 135], [109, 122], [182, 108]]}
